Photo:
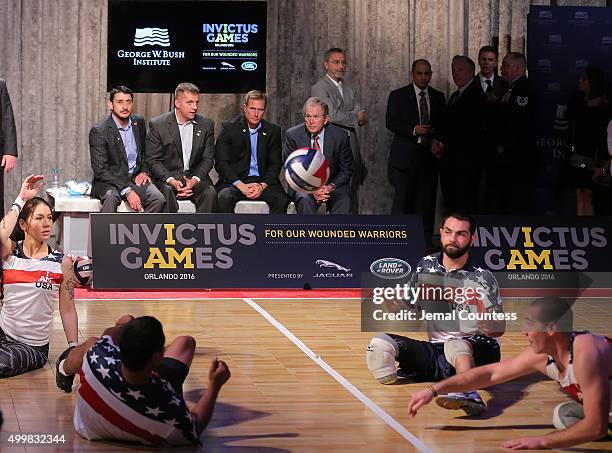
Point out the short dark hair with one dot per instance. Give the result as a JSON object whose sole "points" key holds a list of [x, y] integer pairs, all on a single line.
{"points": [[139, 340], [488, 48], [556, 310], [119, 89], [466, 60], [463, 217], [420, 60], [328, 52]]}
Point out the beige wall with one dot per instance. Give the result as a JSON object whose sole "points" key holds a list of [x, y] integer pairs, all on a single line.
{"points": [[53, 56]]}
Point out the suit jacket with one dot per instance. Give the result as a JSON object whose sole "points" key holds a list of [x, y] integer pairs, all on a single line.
{"points": [[499, 88], [109, 159], [493, 112], [403, 117], [516, 122], [164, 150], [336, 147], [343, 108], [233, 151], [463, 130], [8, 133]]}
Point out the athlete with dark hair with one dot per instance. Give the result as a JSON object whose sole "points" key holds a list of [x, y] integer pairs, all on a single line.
{"points": [[131, 386], [33, 273]]}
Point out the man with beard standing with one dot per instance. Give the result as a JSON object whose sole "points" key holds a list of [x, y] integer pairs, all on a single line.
{"points": [[448, 282]]}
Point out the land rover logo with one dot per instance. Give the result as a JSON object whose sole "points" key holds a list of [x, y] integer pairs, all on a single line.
{"points": [[390, 268], [249, 65]]}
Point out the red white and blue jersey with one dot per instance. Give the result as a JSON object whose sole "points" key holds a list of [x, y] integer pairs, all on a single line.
{"points": [[109, 408], [568, 381], [30, 287]]}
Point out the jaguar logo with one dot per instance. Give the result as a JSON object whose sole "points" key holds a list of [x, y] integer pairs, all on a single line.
{"points": [[325, 263]]}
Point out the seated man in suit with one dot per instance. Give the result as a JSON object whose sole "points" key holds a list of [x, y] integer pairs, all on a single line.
{"points": [[248, 158], [180, 150], [119, 171], [334, 142]]}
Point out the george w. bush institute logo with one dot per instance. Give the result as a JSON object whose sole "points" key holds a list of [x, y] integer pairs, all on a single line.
{"points": [[151, 37]]}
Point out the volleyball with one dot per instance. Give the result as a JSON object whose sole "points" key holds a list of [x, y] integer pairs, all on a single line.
{"points": [[83, 270], [306, 170]]}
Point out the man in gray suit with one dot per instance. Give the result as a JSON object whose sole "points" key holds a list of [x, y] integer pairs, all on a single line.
{"points": [[117, 158], [180, 150], [345, 111], [8, 136], [334, 142]]}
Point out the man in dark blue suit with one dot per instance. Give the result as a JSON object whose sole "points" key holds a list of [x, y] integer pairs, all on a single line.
{"points": [[463, 136], [334, 142], [248, 159], [414, 113], [8, 136]]}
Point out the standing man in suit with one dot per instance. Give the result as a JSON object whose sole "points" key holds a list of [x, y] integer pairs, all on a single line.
{"points": [[492, 84], [180, 151], [345, 111], [116, 146], [8, 136], [414, 113], [462, 138], [317, 133], [516, 160], [494, 88], [248, 158]]}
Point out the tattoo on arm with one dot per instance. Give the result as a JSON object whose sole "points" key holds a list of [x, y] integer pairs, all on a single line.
{"points": [[70, 287]]}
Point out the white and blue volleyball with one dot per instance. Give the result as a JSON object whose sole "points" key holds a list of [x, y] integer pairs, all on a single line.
{"points": [[306, 170], [83, 270]]}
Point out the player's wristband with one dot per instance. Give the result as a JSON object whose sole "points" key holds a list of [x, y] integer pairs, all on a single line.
{"points": [[72, 344], [19, 202]]}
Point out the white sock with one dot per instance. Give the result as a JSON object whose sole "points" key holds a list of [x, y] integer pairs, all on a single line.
{"points": [[61, 368]]}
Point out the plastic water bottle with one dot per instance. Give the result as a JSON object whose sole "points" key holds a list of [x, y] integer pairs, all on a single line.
{"points": [[55, 184]]}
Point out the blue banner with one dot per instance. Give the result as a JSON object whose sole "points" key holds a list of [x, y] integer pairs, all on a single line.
{"points": [[188, 251], [545, 252], [561, 42]]}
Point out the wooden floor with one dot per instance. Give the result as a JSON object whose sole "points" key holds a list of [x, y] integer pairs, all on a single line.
{"points": [[278, 399]]}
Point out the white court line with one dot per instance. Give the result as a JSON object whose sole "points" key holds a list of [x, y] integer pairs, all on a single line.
{"points": [[342, 380], [219, 298]]}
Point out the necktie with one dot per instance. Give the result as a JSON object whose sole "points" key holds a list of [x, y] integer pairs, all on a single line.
{"points": [[315, 143], [454, 97], [424, 109], [340, 89], [489, 87]]}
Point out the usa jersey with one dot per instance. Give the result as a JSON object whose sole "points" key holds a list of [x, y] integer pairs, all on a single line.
{"points": [[109, 408], [30, 287]]}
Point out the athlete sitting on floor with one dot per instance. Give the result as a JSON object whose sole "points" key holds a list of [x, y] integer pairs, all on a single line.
{"points": [[581, 362], [131, 387], [32, 274], [453, 347]]}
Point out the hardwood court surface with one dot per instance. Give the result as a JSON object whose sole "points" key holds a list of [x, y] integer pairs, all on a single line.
{"points": [[278, 399]]}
